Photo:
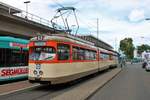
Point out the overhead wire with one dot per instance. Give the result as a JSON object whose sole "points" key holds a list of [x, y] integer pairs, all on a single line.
{"points": [[90, 26]]}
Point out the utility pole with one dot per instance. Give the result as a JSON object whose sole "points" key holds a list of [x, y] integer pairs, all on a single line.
{"points": [[97, 27], [97, 40], [116, 44]]}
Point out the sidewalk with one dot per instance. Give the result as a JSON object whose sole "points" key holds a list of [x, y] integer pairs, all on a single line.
{"points": [[14, 87]]}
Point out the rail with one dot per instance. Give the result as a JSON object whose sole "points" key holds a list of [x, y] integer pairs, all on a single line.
{"points": [[31, 17]]}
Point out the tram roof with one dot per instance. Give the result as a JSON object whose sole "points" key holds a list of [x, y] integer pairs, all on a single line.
{"points": [[12, 39], [89, 40]]}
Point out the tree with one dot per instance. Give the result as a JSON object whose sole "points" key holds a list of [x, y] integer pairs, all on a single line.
{"points": [[126, 45], [142, 48]]}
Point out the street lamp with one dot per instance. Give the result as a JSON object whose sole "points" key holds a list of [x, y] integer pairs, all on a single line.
{"points": [[26, 2]]}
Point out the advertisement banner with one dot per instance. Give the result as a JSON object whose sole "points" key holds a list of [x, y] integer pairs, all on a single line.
{"points": [[13, 72]]}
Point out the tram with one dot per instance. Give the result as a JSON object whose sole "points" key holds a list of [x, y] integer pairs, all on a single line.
{"points": [[13, 58], [60, 58]]}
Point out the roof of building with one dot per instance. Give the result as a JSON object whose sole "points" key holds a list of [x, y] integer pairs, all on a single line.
{"points": [[97, 42]]}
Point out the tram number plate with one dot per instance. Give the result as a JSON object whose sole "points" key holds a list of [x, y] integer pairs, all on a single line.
{"points": [[39, 43], [38, 66]]}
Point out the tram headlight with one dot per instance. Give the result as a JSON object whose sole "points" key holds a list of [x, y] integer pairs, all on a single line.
{"points": [[35, 72], [41, 72]]}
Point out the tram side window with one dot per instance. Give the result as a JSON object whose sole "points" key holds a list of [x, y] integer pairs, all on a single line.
{"points": [[12, 57], [8, 57], [5, 57], [83, 54], [104, 56], [75, 53], [63, 52], [115, 57], [26, 58], [78, 53], [87, 55], [2, 58], [111, 57], [19, 58]]}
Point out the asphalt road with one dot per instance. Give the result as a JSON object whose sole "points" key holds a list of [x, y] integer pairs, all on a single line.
{"points": [[132, 83]]}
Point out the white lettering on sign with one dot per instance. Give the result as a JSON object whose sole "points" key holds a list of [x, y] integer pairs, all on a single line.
{"points": [[40, 44], [13, 71]]}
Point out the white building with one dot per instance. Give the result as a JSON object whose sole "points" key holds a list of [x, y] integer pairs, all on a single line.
{"points": [[146, 55], [135, 53]]}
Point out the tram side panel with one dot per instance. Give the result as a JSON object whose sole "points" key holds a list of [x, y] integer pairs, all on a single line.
{"points": [[68, 63], [107, 60], [63, 72]]}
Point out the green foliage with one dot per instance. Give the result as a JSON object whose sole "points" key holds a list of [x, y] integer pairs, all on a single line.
{"points": [[142, 48], [126, 45]]}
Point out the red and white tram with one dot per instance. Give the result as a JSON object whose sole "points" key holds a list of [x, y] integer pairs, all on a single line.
{"points": [[61, 58]]}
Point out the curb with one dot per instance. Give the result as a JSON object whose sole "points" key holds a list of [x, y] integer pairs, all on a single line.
{"points": [[89, 96], [19, 90]]}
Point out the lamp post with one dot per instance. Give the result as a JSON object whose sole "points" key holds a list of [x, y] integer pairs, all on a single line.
{"points": [[26, 2]]}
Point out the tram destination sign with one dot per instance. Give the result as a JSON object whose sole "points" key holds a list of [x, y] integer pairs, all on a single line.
{"points": [[40, 44]]}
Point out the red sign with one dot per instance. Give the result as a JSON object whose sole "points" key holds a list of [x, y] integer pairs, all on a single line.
{"points": [[13, 72]]}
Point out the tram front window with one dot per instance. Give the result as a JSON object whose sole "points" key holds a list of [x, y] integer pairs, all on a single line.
{"points": [[42, 53]]}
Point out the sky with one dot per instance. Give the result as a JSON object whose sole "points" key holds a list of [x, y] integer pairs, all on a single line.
{"points": [[118, 19]]}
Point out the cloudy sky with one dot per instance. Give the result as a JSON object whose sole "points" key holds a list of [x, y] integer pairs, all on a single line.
{"points": [[117, 18]]}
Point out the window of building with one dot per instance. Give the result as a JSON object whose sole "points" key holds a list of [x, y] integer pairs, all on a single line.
{"points": [[104, 56]]}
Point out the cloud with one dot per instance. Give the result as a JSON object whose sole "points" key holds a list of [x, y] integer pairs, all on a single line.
{"points": [[117, 18], [136, 15], [36, 7]]}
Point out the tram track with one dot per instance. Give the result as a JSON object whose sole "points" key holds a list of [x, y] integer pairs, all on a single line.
{"points": [[35, 93], [41, 92], [48, 92]]}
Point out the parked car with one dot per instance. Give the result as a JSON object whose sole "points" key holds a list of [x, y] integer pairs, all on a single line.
{"points": [[147, 67], [144, 64], [135, 60]]}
